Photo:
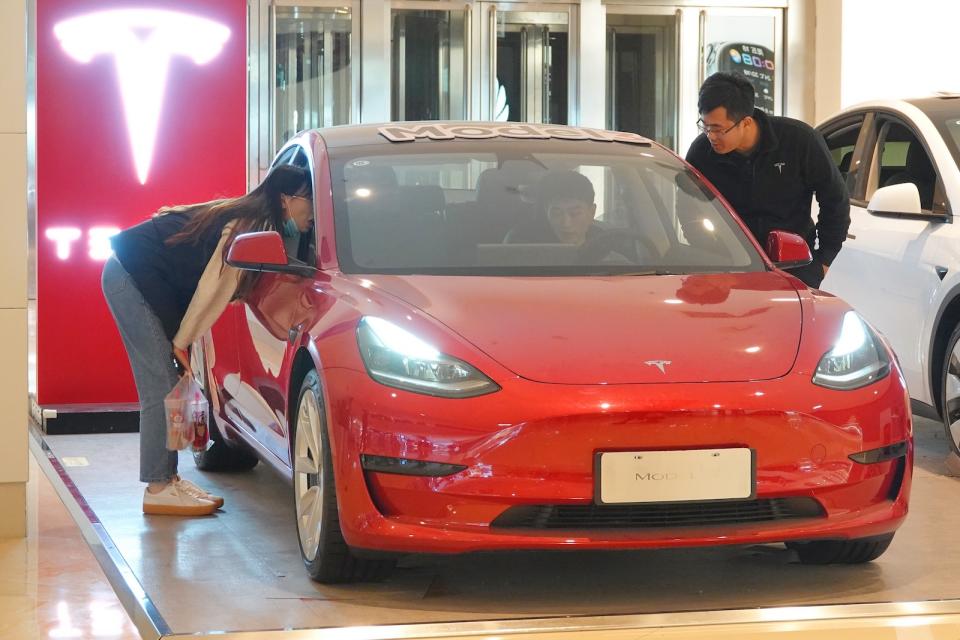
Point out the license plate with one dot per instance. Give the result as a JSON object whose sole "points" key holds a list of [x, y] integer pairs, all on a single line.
{"points": [[675, 476]]}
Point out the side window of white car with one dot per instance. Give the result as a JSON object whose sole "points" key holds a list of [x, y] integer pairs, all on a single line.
{"points": [[902, 158], [842, 143]]}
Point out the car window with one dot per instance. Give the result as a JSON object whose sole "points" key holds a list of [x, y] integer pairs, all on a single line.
{"points": [[300, 159], [950, 129], [530, 207], [285, 157], [299, 247], [842, 141], [901, 158]]}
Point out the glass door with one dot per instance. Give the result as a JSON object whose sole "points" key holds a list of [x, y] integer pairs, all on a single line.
{"points": [[642, 75], [528, 69], [429, 62], [312, 69]]}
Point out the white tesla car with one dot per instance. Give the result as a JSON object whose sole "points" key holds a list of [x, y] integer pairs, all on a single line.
{"points": [[900, 265]]}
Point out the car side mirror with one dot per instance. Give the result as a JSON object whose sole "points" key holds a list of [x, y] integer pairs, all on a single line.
{"points": [[788, 250], [264, 251], [897, 200]]}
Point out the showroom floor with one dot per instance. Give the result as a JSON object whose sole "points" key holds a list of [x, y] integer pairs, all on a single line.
{"points": [[240, 570]]}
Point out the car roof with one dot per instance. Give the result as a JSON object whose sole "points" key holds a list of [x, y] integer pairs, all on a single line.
{"points": [[403, 132], [939, 107], [946, 105]]}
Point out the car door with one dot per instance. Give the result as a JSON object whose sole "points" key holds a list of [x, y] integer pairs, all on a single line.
{"points": [[846, 139], [885, 269], [270, 319]]}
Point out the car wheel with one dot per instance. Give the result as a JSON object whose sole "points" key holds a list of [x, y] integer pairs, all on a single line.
{"points": [[855, 551], [220, 456], [326, 555], [950, 391]]}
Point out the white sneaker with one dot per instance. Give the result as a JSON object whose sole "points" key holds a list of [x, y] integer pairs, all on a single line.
{"points": [[173, 500], [195, 491]]}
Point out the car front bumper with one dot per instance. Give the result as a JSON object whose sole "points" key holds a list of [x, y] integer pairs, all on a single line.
{"points": [[534, 445]]}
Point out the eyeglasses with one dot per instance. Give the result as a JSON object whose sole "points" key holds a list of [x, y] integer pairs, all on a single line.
{"points": [[304, 198], [717, 131]]}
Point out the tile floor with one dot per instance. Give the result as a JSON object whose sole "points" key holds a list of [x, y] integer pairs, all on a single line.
{"points": [[50, 583], [244, 566]]}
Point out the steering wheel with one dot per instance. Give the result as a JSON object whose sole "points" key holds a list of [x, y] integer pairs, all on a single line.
{"points": [[634, 247]]}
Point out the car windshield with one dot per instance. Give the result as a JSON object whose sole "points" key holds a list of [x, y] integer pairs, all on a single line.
{"points": [[951, 129], [547, 207]]}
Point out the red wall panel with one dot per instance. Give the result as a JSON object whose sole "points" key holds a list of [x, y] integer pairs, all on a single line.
{"points": [[86, 177]]}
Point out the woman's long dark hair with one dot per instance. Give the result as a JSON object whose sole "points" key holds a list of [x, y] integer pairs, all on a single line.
{"points": [[259, 210]]}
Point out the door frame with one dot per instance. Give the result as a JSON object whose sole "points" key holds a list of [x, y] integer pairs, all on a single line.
{"points": [[468, 42], [613, 8], [484, 63]]}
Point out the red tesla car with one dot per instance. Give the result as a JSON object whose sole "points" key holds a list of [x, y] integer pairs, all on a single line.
{"points": [[505, 336]]}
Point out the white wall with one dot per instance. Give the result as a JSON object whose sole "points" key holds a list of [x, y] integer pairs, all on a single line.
{"points": [[13, 267], [892, 48], [827, 52], [800, 33]]}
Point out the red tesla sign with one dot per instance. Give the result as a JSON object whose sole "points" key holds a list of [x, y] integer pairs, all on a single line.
{"points": [[139, 105]]}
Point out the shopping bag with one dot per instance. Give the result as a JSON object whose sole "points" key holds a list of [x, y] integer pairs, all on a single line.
{"points": [[186, 410]]}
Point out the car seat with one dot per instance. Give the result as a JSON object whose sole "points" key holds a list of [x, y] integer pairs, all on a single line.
{"points": [[844, 168], [398, 228]]}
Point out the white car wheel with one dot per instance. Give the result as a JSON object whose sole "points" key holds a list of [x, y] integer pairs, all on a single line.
{"points": [[308, 474], [326, 555], [950, 406]]}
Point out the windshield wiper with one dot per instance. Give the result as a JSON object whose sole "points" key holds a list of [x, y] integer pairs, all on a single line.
{"points": [[655, 272]]}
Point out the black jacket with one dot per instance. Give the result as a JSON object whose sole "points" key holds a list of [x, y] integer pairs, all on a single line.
{"points": [[166, 275], [772, 188]]}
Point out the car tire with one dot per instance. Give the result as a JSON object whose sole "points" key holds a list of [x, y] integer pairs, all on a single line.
{"points": [[326, 555], [223, 457], [220, 456], [950, 391], [855, 551]]}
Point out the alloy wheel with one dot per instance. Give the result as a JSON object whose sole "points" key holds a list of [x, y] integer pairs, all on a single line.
{"points": [[952, 396], [308, 474]]}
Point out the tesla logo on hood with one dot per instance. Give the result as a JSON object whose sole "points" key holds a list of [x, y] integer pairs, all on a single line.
{"points": [[659, 364], [142, 42]]}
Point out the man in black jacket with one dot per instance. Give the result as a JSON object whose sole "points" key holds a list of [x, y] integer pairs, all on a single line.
{"points": [[768, 168]]}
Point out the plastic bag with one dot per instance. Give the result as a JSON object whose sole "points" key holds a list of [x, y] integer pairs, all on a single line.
{"points": [[186, 410]]}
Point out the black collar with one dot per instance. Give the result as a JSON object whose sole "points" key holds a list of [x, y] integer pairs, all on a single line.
{"points": [[768, 139]]}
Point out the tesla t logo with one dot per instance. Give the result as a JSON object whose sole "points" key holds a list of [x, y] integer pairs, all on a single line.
{"points": [[659, 364], [780, 166], [142, 42]]}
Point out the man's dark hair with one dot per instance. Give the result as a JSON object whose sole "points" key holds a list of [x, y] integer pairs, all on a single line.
{"points": [[729, 90], [564, 185]]}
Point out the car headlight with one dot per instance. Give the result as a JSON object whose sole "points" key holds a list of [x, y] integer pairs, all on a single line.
{"points": [[397, 358], [857, 359]]}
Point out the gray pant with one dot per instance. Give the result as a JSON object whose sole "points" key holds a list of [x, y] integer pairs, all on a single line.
{"points": [[149, 351]]}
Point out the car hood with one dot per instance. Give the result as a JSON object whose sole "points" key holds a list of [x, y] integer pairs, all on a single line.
{"points": [[619, 329]]}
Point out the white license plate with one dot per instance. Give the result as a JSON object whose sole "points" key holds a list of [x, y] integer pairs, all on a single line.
{"points": [[675, 476]]}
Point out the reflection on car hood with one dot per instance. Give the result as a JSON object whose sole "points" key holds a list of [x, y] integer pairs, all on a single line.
{"points": [[619, 329]]}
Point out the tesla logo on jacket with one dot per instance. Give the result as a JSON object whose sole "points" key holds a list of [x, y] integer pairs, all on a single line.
{"points": [[773, 187]]}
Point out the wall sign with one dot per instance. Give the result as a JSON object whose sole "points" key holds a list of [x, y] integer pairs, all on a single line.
{"points": [[139, 105]]}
